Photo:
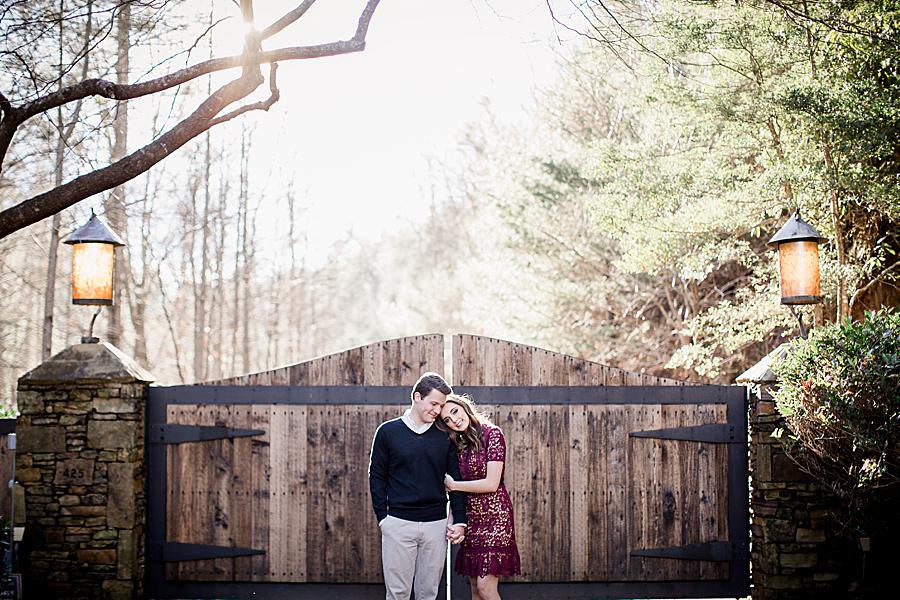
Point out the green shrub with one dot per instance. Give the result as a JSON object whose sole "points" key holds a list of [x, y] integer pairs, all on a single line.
{"points": [[840, 396]]}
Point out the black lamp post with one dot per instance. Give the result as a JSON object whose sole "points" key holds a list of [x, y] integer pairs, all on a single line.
{"points": [[798, 264], [93, 265]]}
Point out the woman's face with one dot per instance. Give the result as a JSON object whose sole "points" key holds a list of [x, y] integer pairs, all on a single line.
{"points": [[455, 416]]}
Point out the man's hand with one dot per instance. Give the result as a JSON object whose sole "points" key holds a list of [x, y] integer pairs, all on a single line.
{"points": [[456, 533]]}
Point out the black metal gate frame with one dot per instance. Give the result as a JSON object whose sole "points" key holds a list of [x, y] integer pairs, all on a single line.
{"points": [[733, 432]]}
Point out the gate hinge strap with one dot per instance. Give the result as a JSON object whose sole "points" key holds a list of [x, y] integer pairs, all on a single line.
{"points": [[716, 551], [178, 551], [722, 433], [170, 433]]}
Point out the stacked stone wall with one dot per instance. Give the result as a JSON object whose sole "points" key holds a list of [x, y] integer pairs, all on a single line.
{"points": [[798, 548], [80, 465]]}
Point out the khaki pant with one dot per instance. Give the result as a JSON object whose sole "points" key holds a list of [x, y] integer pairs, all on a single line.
{"points": [[413, 554]]}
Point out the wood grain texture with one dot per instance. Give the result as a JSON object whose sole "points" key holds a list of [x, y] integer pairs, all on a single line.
{"points": [[585, 494], [480, 360], [299, 491], [390, 362]]}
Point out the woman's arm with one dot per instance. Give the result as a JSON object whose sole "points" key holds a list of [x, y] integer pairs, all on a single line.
{"points": [[478, 486]]}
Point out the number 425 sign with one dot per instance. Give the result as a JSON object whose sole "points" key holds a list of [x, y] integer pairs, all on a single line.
{"points": [[75, 471]]}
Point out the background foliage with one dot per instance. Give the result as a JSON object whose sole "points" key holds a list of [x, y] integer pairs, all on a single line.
{"points": [[839, 392], [678, 139]]}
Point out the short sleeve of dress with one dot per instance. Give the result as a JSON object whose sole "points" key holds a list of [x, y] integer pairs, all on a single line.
{"points": [[496, 445]]}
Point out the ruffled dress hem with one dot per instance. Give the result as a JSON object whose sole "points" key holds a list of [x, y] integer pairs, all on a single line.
{"points": [[501, 562]]}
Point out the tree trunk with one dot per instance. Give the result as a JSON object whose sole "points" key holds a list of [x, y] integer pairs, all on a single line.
{"points": [[64, 133], [219, 302], [201, 283], [843, 300], [53, 247], [115, 202], [293, 302], [247, 250], [139, 287], [240, 259]]}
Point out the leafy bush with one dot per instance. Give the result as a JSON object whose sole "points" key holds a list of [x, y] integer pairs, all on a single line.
{"points": [[840, 397]]}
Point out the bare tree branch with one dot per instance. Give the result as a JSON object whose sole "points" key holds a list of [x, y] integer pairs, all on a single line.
{"points": [[262, 105], [202, 119], [113, 91], [835, 23], [107, 89], [43, 205], [879, 277], [362, 28], [286, 20]]}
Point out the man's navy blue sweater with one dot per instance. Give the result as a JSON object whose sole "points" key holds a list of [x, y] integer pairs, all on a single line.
{"points": [[406, 474]]}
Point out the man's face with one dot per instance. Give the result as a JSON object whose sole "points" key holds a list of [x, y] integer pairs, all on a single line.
{"points": [[429, 407]]}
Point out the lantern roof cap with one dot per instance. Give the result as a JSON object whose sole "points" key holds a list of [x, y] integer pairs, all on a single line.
{"points": [[796, 230], [95, 230]]}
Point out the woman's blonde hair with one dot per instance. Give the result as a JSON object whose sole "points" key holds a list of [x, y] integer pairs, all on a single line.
{"points": [[471, 436]]}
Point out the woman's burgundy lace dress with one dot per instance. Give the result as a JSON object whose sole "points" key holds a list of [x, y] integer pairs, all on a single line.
{"points": [[489, 547]]}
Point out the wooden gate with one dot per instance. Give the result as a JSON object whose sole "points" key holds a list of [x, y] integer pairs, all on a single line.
{"points": [[623, 484]]}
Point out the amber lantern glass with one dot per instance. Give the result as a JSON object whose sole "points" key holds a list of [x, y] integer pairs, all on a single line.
{"points": [[798, 261], [92, 273], [799, 266]]}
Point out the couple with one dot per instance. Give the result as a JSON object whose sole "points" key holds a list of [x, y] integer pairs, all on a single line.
{"points": [[412, 467]]}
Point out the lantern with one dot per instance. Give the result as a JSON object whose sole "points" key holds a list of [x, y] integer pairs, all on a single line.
{"points": [[93, 265], [798, 261], [93, 262]]}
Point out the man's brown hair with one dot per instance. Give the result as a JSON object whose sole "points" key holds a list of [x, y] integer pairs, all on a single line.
{"points": [[428, 382]]}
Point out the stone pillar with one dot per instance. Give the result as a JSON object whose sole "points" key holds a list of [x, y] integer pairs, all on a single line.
{"points": [[797, 548], [80, 462]]}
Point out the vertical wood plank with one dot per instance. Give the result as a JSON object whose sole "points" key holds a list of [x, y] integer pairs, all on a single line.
{"points": [[579, 476], [261, 462], [373, 365], [617, 484], [287, 500], [334, 461], [636, 482], [597, 484], [316, 529], [560, 543], [241, 490], [178, 497], [358, 512], [525, 500], [690, 467]]}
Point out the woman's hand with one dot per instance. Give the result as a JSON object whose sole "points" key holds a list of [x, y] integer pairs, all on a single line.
{"points": [[449, 483]]}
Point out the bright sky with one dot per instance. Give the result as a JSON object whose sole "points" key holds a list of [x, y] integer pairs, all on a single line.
{"points": [[356, 132]]}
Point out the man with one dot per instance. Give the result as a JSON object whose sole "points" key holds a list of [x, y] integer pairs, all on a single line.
{"points": [[406, 478]]}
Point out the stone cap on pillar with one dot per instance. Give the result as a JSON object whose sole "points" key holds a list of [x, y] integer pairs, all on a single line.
{"points": [[88, 362], [762, 372]]}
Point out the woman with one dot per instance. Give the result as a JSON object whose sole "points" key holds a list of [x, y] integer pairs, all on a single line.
{"points": [[489, 549]]}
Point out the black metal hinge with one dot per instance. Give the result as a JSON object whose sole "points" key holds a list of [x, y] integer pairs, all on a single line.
{"points": [[721, 433], [168, 433], [178, 551], [716, 551]]}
